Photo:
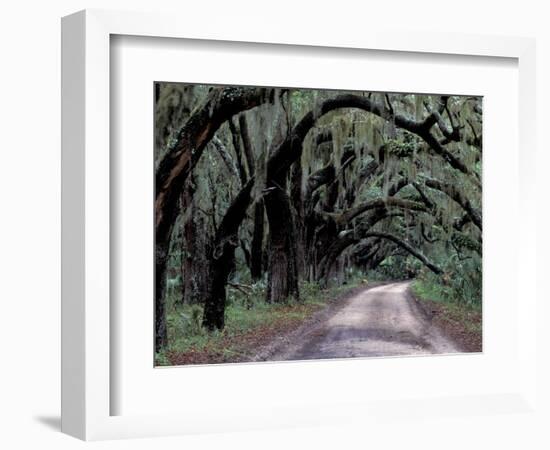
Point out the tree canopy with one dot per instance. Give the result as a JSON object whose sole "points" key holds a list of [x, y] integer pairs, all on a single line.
{"points": [[279, 186]]}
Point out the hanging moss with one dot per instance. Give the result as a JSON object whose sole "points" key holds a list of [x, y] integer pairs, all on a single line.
{"points": [[382, 158]]}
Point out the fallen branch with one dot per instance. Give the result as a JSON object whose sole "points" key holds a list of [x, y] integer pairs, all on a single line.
{"points": [[244, 288]]}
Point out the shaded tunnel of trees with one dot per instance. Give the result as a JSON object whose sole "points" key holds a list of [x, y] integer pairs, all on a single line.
{"points": [[282, 186]]}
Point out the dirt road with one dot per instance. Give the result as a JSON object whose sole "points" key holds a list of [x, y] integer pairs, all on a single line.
{"points": [[378, 321]]}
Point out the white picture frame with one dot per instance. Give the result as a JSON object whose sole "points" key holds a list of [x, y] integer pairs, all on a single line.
{"points": [[87, 385]]}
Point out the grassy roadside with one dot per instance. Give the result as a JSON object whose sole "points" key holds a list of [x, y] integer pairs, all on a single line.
{"points": [[462, 322], [250, 324]]}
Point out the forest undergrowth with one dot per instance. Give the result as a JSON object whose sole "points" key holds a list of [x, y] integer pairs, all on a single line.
{"points": [[250, 323], [449, 311], [264, 197]]}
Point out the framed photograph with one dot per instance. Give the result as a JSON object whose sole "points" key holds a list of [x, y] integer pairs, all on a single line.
{"points": [[253, 217]]}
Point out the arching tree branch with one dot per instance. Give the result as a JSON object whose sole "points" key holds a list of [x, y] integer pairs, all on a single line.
{"points": [[175, 167], [454, 193], [386, 202], [417, 254], [223, 258], [291, 148]]}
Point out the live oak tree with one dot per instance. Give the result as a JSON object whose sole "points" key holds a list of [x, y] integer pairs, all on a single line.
{"points": [[292, 185], [174, 168]]}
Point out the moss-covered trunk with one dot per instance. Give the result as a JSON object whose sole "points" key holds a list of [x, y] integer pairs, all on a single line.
{"points": [[282, 282], [222, 261], [256, 251], [196, 264], [175, 168]]}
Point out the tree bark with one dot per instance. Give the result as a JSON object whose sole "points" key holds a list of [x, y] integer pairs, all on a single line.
{"points": [[256, 246], [197, 248], [350, 214], [256, 251], [299, 216], [196, 260], [247, 145], [406, 246], [282, 281], [454, 193], [236, 140], [174, 169], [223, 259], [291, 149], [161, 261], [346, 238], [343, 241]]}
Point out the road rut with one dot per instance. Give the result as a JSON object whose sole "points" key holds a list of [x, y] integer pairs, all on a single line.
{"points": [[378, 321]]}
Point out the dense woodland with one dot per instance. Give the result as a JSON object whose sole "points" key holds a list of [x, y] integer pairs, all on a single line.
{"points": [[269, 190]]}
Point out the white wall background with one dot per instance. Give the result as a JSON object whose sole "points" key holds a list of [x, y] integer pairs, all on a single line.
{"points": [[30, 197]]}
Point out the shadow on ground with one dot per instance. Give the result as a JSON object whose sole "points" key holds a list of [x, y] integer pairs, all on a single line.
{"points": [[51, 422]]}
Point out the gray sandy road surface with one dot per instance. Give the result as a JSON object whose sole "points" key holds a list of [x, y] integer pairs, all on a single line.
{"points": [[378, 321]]}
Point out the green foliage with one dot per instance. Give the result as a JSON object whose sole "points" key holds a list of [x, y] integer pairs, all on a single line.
{"points": [[246, 296], [396, 268], [428, 288], [161, 358], [310, 291], [461, 288], [461, 240], [373, 140], [454, 311], [402, 148], [245, 313]]}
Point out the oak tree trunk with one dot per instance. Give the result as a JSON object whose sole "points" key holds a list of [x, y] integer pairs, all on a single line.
{"points": [[196, 260], [256, 252], [174, 169], [282, 281], [222, 261]]}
